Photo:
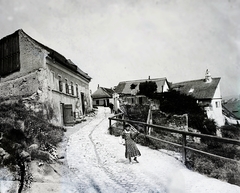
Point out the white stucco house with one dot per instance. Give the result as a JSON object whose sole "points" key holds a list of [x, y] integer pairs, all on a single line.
{"points": [[208, 94], [102, 96]]}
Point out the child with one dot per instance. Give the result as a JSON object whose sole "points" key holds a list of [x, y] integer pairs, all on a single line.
{"points": [[131, 148]]}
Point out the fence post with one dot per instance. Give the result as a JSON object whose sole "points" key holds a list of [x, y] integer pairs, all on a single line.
{"points": [[110, 123], [183, 148]]}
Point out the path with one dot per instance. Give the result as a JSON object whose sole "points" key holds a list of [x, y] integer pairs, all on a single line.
{"points": [[97, 160]]}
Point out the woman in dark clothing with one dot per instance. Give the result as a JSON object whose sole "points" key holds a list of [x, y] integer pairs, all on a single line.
{"points": [[131, 148]]}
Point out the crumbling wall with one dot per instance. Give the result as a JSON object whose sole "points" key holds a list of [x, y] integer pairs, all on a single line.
{"points": [[32, 58], [23, 86]]}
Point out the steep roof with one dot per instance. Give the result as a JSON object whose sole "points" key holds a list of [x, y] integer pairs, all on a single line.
{"points": [[58, 57], [102, 92], [199, 89], [124, 87]]}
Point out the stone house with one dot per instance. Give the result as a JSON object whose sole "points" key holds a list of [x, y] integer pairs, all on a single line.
{"points": [[208, 95], [43, 77], [102, 96]]}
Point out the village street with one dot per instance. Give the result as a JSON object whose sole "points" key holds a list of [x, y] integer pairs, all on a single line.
{"points": [[97, 160]]}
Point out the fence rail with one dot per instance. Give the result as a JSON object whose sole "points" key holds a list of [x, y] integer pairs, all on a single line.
{"points": [[184, 137]]}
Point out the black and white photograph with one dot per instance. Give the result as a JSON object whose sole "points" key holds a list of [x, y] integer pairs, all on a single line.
{"points": [[120, 96]]}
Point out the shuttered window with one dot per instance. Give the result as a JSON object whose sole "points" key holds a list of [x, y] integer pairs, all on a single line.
{"points": [[9, 55], [72, 88], [77, 90]]}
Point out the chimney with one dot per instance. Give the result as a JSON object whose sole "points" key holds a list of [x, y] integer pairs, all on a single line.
{"points": [[208, 77], [148, 77], [98, 86]]}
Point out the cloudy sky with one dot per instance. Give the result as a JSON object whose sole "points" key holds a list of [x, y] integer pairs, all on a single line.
{"points": [[117, 40]]}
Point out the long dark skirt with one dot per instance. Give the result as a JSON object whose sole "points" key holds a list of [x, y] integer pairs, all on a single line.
{"points": [[131, 148]]}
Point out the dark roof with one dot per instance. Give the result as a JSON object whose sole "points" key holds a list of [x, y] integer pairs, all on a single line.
{"points": [[233, 105], [59, 58], [199, 89], [124, 87], [102, 92]]}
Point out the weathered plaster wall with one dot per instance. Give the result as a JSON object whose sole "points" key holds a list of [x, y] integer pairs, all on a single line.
{"points": [[32, 57], [55, 97], [22, 86], [37, 82]]}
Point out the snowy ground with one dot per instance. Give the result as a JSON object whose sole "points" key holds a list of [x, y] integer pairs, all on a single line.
{"points": [[98, 161], [97, 164]]}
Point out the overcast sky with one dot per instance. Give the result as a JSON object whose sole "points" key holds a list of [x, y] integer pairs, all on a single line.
{"points": [[118, 40]]}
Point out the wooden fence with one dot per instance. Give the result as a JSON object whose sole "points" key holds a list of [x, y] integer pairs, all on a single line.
{"points": [[184, 134]]}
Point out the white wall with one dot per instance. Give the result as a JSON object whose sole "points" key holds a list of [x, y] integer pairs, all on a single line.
{"points": [[215, 111]]}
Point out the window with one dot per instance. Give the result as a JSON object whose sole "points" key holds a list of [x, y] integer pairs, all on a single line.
{"points": [[72, 88], [77, 90], [67, 87], [217, 104], [60, 83], [97, 102]]}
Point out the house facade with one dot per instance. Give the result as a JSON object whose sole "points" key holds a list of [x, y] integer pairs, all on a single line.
{"points": [[102, 96], [128, 90], [208, 94], [43, 77]]}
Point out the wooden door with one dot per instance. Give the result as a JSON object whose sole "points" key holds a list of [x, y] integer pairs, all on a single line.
{"points": [[68, 115], [83, 103]]}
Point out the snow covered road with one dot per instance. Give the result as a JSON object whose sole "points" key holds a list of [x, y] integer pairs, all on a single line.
{"points": [[98, 162]]}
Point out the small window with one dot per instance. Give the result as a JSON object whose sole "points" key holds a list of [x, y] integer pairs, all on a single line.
{"points": [[217, 104], [72, 88], [191, 90], [60, 83], [77, 90], [97, 102], [67, 86]]}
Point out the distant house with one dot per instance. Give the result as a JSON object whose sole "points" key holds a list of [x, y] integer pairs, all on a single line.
{"points": [[231, 111], [207, 92], [46, 79], [233, 105], [102, 96], [128, 90]]}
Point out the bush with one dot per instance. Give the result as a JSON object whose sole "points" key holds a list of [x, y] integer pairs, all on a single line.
{"points": [[137, 112], [35, 129], [231, 131]]}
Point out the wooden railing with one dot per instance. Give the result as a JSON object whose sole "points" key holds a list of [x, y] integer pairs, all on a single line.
{"points": [[184, 134]]}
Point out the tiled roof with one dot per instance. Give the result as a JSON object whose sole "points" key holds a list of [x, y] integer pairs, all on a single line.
{"points": [[199, 89], [60, 58], [124, 87], [102, 92]]}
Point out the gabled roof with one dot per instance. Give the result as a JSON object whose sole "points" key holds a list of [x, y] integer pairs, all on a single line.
{"points": [[102, 92], [58, 57], [199, 89], [124, 87]]}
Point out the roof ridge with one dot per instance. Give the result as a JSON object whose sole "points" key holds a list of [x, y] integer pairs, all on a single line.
{"points": [[52, 51], [164, 78], [195, 80]]}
